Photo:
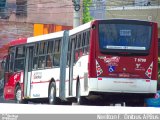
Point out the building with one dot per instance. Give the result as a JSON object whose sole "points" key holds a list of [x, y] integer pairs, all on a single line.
{"points": [[134, 9], [40, 11], [26, 18], [98, 9], [2, 8], [46, 16]]}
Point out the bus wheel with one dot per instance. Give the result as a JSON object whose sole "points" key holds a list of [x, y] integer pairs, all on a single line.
{"points": [[18, 94], [81, 100], [52, 94]]}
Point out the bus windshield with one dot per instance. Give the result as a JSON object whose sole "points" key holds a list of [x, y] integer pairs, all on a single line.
{"points": [[124, 37]]}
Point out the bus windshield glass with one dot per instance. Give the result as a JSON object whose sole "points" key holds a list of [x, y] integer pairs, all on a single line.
{"points": [[124, 37]]}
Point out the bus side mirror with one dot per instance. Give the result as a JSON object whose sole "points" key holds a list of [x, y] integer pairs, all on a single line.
{"points": [[93, 27]]}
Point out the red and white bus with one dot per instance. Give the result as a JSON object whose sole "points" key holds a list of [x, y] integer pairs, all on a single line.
{"points": [[115, 59]]}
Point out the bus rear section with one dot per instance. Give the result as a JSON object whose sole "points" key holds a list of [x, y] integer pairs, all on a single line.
{"points": [[125, 64]]}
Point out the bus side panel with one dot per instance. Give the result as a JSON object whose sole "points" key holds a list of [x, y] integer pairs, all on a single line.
{"points": [[40, 80], [155, 52], [80, 69], [9, 89], [91, 62]]}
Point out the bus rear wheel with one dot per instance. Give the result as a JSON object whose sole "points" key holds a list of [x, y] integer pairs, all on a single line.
{"points": [[81, 100], [52, 94]]}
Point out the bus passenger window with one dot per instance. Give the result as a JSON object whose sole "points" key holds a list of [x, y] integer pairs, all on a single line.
{"points": [[76, 56], [11, 59], [80, 53], [87, 42], [19, 58], [41, 62], [42, 48], [56, 60], [19, 65], [36, 48], [49, 61], [35, 63], [20, 51], [57, 46], [50, 47], [68, 54], [56, 53]]}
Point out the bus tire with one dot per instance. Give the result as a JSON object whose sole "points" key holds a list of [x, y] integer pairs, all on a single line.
{"points": [[52, 94], [81, 100], [18, 95]]}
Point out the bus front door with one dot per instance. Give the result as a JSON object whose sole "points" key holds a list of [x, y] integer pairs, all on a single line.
{"points": [[71, 63], [28, 71]]}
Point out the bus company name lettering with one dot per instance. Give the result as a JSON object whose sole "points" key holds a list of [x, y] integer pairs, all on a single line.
{"points": [[110, 60], [37, 75], [36, 95]]}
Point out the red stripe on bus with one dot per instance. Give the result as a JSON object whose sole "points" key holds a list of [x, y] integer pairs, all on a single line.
{"points": [[40, 82], [56, 81], [68, 80]]}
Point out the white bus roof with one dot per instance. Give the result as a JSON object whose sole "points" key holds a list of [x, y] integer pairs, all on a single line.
{"points": [[59, 34], [45, 37], [80, 28]]}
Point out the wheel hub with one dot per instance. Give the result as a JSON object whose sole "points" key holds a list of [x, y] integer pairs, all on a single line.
{"points": [[51, 96], [19, 95]]}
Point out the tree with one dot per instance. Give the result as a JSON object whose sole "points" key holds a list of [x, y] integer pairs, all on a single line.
{"points": [[86, 13]]}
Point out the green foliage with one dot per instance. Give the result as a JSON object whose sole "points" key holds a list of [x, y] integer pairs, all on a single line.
{"points": [[86, 13]]}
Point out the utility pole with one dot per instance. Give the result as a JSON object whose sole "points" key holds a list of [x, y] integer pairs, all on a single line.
{"points": [[76, 15]]}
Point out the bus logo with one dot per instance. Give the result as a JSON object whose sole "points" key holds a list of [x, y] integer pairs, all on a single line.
{"points": [[111, 61], [37, 75]]}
